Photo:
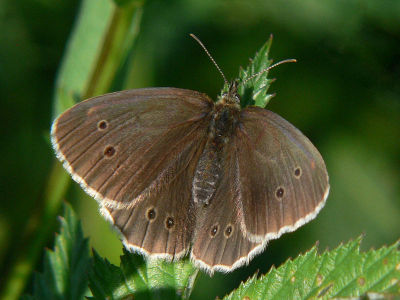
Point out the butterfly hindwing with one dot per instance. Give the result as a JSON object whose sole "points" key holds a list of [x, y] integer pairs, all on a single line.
{"points": [[219, 244], [162, 224]]}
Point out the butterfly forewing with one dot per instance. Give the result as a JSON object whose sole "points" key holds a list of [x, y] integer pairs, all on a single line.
{"points": [[283, 179], [121, 147]]}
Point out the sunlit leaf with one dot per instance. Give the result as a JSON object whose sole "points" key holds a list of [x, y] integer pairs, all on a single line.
{"points": [[65, 268], [141, 279], [255, 91], [342, 272]]}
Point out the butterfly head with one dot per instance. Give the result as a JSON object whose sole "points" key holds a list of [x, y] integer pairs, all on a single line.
{"points": [[231, 97]]}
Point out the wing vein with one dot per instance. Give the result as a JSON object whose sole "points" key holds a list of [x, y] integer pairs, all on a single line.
{"points": [[119, 127], [158, 178]]}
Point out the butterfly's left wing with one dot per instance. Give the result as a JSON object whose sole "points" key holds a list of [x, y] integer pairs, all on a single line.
{"points": [[283, 180]]}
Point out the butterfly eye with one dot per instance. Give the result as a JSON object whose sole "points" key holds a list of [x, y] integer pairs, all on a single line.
{"points": [[169, 223], [214, 231], [279, 193], [102, 125], [297, 172], [109, 151]]}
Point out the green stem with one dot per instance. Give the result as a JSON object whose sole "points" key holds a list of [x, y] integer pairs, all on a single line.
{"points": [[111, 49], [117, 44], [27, 257]]}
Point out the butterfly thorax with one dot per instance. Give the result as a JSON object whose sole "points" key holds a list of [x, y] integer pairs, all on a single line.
{"points": [[225, 117]]}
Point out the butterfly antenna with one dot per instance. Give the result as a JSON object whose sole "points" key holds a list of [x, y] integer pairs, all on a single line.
{"points": [[269, 68], [211, 58]]}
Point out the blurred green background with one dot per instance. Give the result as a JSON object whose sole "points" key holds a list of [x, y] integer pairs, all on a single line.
{"points": [[344, 94]]}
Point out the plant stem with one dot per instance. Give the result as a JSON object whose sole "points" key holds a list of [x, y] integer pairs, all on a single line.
{"points": [[103, 49]]}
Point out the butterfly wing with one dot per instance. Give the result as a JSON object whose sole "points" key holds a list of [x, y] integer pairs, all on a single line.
{"points": [[127, 147], [122, 146], [162, 225], [218, 243], [283, 180]]}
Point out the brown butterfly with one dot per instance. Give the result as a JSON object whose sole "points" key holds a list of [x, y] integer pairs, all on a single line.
{"points": [[176, 173]]}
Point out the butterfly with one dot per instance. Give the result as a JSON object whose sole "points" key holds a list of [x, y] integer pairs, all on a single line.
{"points": [[177, 173]]}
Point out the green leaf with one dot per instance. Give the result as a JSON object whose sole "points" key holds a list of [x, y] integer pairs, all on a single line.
{"points": [[100, 45], [82, 52], [65, 269], [141, 279], [254, 91], [342, 272]]}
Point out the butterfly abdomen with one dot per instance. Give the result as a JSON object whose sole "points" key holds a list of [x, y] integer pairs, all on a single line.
{"points": [[209, 168]]}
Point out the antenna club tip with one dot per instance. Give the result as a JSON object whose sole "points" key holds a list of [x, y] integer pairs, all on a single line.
{"points": [[289, 60], [195, 38]]}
